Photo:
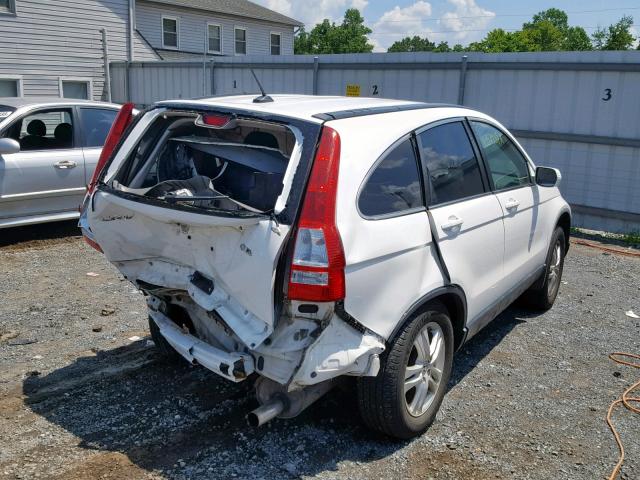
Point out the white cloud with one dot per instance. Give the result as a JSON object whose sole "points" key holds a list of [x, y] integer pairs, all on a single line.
{"points": [[467, 21], [311, 12], [453, 26], [398, 23]]}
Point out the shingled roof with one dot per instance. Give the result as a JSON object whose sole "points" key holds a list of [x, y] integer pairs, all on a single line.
{"points": [[241, 8]]}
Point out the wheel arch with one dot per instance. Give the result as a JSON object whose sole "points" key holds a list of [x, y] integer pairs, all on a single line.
{"points": [[564, 222], [453, 299]]}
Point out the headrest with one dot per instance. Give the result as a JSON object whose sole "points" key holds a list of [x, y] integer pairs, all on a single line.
{"points": [[63, 132], [37, 127]]}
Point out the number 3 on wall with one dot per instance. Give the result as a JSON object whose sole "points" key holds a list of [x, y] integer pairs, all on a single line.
{"points": [[607, 94]]}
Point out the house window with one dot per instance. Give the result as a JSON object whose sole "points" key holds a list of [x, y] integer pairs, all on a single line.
{"points": [[10, 87], [275, 43], [241, 41], [7, 6], [76, 89], [214, 33], [169, 32]]}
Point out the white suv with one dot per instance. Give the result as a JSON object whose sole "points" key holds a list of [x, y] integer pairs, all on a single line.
{"points": [[301, 240]]}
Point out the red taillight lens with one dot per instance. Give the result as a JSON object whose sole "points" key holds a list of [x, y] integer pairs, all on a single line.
{"points": [[317, 269], [216, 121], [122, 121]]}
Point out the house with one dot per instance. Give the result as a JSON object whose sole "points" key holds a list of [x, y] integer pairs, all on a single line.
{"points": [[183, 29], [62, 48]]}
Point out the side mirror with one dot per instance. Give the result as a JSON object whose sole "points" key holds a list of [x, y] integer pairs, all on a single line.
{"points": [[548, 177], [8, 145]]}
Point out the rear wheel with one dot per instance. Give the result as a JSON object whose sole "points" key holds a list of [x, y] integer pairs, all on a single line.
{"points": [[403, 399], [542, 297], [162, 345]]}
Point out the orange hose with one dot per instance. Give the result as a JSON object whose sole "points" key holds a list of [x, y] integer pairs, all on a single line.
{"points": [[627, 401]]}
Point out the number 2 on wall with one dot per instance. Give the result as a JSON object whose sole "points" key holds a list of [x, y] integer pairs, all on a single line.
{"points": [[374, 90], [607, 94]]}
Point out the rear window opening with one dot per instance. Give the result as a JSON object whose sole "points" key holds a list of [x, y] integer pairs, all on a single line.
{"points": [[181, 161]]}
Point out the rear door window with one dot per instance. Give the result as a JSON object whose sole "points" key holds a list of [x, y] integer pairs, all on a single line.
{"points": [[96, 123], [507, 167], [394, 185], [452, 166]]}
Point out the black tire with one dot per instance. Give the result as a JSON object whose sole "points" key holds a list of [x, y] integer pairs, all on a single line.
{"points": [[382, 399], [544, 291], [164, 347]]}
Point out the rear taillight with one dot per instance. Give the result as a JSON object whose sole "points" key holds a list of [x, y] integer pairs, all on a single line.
{"points": [[317, 268], [122, 121]]}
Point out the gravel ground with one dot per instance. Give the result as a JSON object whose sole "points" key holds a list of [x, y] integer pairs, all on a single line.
{"points": [[83, 393]]}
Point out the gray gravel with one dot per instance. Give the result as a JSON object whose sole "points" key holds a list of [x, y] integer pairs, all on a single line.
{"points": [[82, 397]]}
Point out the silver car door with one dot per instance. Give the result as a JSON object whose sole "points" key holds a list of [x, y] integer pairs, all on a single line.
{"points": [[47, 175]]}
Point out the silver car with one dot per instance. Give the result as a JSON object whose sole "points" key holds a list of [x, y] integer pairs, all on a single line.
{"points": [[49, 148]]}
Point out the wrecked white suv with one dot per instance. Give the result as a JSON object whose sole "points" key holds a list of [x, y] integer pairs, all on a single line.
{"points": [[301, 240]]}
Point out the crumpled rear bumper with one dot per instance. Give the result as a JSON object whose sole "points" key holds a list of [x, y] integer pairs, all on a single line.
{"points": [[233, 366]]}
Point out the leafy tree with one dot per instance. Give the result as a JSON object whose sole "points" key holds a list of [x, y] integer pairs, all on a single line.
{"points": [[616, 37], [412, 44], [498, 40], [442, 47], [550, 31], [327, 37], [417, 44]]}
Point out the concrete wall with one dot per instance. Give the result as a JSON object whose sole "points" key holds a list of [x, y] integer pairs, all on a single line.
{"points": [[192, 28], [577, 111], [49, 40]]}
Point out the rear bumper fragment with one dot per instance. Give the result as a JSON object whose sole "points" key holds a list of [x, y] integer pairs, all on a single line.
{"points": [[233, 366]]}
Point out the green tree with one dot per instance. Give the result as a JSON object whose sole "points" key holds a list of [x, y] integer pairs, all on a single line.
{"points": [[302, 42], [550, 31], [498, 40], [412, 44], [328, 37], [616, 37]]}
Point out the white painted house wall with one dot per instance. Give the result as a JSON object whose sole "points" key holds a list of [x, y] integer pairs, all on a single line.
{"points": [[192, 28], [48, 41]]}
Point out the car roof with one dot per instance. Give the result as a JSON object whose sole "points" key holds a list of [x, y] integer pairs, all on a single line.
{"points": [[17, 102], [307, 107]]}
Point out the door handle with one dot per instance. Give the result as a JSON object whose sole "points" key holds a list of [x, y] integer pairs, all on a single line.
{"points": [[64, 164], [453, 222], [511, 204]]}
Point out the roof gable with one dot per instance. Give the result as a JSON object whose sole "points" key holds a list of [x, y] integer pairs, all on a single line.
{"points": [[240, 8]]}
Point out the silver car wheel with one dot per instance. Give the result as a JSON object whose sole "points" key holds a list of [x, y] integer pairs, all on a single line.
{"points": [[423, 372], [553, 280]]}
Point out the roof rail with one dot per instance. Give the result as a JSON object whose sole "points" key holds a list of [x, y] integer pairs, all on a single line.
{"points": [[360, 112]]}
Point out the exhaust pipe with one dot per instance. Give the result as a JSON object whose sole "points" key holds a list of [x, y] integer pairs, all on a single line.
{"points": [[266, 412]]}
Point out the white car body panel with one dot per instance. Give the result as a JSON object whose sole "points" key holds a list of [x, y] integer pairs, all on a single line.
{"points": [[165, 247], [391, 262]]}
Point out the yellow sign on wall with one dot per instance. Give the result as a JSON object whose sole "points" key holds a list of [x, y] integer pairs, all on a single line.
{"points": [[353, 90]]}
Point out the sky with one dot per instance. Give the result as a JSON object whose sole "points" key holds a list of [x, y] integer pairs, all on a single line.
{"points": [[455, 21]]}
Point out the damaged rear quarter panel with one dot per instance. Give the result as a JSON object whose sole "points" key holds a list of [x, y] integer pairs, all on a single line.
{"points": [[165, 247]]}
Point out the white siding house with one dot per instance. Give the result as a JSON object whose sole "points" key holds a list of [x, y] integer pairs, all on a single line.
{"points": [[53, 47], [57, 47], [204, 24]]}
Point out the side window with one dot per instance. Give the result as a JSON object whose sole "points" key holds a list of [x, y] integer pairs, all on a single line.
{"points": [[394, 185], [454, 172], [507, 167], [96, 123], [44, 130]]}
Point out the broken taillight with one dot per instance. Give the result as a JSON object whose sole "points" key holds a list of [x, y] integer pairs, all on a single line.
{"points": [[122, 121], [317, 268]]}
